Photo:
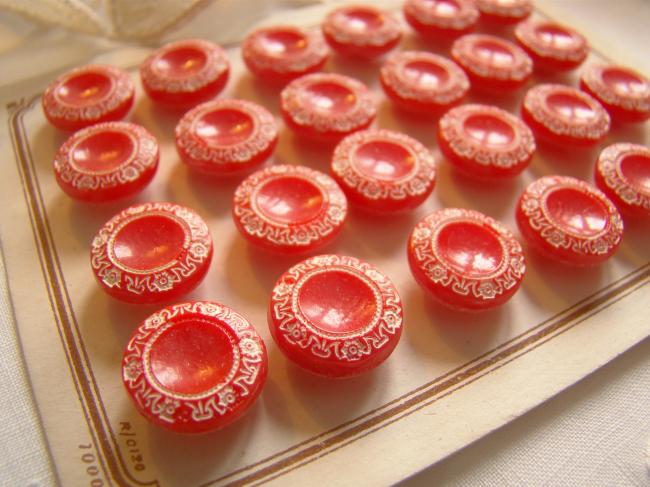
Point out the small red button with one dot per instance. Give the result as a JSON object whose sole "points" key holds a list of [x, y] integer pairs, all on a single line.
{"points": [[151, 253], [623, 174], [423, 82], [484, 141], [185, 73], [624, 93], [194, 367], [466, 260], [289, 209], [361, 31], [327, 106], [441, 18], [226, 137], [564, 116], [106, 161], [283, 53], [384, 171], [335, 315], [88, 95], [492, 64], [504, 12], [569, 221], [553, 47]]}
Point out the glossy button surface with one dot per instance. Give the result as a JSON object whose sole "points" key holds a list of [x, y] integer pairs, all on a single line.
{"points": [[553, 47], [151, 252], [106, 161], [441, 18], [465, 260], [484, 141], [289, 209], [384, 171], [88, 95], [569, 221], [335, 315], [194, 367], [504, 11]]}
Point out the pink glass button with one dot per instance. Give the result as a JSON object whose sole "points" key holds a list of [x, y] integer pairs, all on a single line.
{"points": [[289, 209], [623, 174], [568, 220], [423, 82], [384, 171], [335, 315], [504, 12], [106, 161], [492, 64], [441, 18], [624, 93], [151, 253], [361, 31], [465, 260], [484, 141], [553, 47], [226, 137], [88, 95], [194, 367], [327, 106], [283, 53], [564, 116]]}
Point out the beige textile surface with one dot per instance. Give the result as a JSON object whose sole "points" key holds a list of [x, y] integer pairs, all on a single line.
{"points": [[451, 338]]}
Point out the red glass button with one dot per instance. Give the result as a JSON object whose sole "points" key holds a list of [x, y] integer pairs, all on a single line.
{"points": [[151, 253], [624, 93], [283, 53], [88, 95], [623, 174], [194, 367], [492, 64], [484, 141], [106, 161], [553, 47], [327, 106], [441, 18], [564, 116], [465, 260], [361, 31], [504, 12], [335, 315], [226, 137], [289, 209], [185, 73], [423, 82], [384, 171], [569, 221]]}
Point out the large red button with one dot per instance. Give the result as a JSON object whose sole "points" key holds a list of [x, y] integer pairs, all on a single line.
{"points": [[492, 64], [289, 209], [283, 53], [384, 171], [441, 18], [504, 11], [185, 73], [553, 47], [465, 260], [327, 106], [151, 252], [484, 141], [362, 31], [423, 82], [106, 161], [226, 137], [88, 95], [194, 367], [624, 93], [335, 315], [623, 174], [569, 221], [564, 116]]}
